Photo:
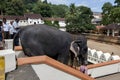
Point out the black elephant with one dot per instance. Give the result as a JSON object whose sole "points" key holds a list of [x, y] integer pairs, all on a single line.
{"points": [[45, 40], [79, 50]]}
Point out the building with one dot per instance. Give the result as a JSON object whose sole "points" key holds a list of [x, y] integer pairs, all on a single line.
{"points": [[30, 19], [112, 29], [26, 19], [97, 18]]}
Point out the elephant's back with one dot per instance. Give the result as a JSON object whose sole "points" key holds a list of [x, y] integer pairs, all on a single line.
{"points": [[49, 39]]}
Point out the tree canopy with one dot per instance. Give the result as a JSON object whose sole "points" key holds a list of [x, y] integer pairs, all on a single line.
{"points": [[111, 13], [78, 19]]}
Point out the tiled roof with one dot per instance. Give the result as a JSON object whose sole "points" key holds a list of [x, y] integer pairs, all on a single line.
{"points": [[11, 17], [33, 16], [55, 19], [24, 17], [112, 26]]}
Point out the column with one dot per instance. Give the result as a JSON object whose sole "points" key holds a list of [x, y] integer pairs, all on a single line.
{"points": [[108, 32], [113, 32]]}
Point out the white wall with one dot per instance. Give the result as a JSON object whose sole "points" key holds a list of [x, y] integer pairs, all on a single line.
{"points": [[46, 72], [8, 43], [32, 21], [10, 61], [62, 23], [23, 23], [104, 70]]}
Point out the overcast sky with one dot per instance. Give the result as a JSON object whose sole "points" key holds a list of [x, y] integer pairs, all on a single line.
{"points": [[95, 5]]}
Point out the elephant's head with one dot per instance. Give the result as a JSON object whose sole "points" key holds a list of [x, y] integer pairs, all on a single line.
{"points": [[81, 49]]}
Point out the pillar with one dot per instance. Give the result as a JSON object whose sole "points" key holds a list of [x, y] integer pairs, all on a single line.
{"points": [[113, 32], [108, 32]]}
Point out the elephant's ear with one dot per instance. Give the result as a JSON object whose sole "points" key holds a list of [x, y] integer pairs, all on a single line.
{"points": [[72, 48]]}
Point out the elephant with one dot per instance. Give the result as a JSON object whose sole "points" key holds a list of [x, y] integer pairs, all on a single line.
{"points": [[79, 52], [42, 39]]}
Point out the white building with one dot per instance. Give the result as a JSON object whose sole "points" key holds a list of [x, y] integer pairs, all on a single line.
{"points": [[30, 19], [97, 18], [34, 19], [27, 19]]}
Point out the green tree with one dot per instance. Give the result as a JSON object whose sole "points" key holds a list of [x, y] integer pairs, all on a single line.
{"points": [[14, 7], [45, 1], [29, 5], [115, 15], [2, 6], [43, 9], [59, 10], [117, 2], [106, 13], [55, 24], [79, 19]]}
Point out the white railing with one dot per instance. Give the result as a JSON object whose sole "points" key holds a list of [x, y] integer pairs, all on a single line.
{"points": [[99, 57]]}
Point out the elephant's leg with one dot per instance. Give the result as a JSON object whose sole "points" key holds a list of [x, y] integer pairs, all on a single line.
{"points": [[71, 55], [63, 57]]}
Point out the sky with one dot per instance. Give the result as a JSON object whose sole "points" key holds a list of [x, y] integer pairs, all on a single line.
{"points": [[95, 5]]}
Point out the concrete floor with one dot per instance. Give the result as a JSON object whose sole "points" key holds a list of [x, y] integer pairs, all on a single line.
{"points": [[24, 72]]}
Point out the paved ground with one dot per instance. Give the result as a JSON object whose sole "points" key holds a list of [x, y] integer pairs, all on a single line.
{"points": [[105, 47], [24, 72]]}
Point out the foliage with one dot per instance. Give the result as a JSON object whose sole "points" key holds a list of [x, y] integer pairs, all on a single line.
{"points": [[47, 22], [14, 7], [78, 19], [54, 24], [115, 15], [106, 13], [43, 9], [19, 7], [117, 2], [29, 5], [111, 14], [2, 6], [59, 10]]}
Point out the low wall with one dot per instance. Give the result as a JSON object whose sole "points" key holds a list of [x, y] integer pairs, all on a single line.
{"points": [[103, 38], [105, 68]]}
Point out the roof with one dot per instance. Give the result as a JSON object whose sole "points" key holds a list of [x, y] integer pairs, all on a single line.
{"points": [[11, 17], [112, 26], [24, 17], [32, 16], [55, 19]]}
